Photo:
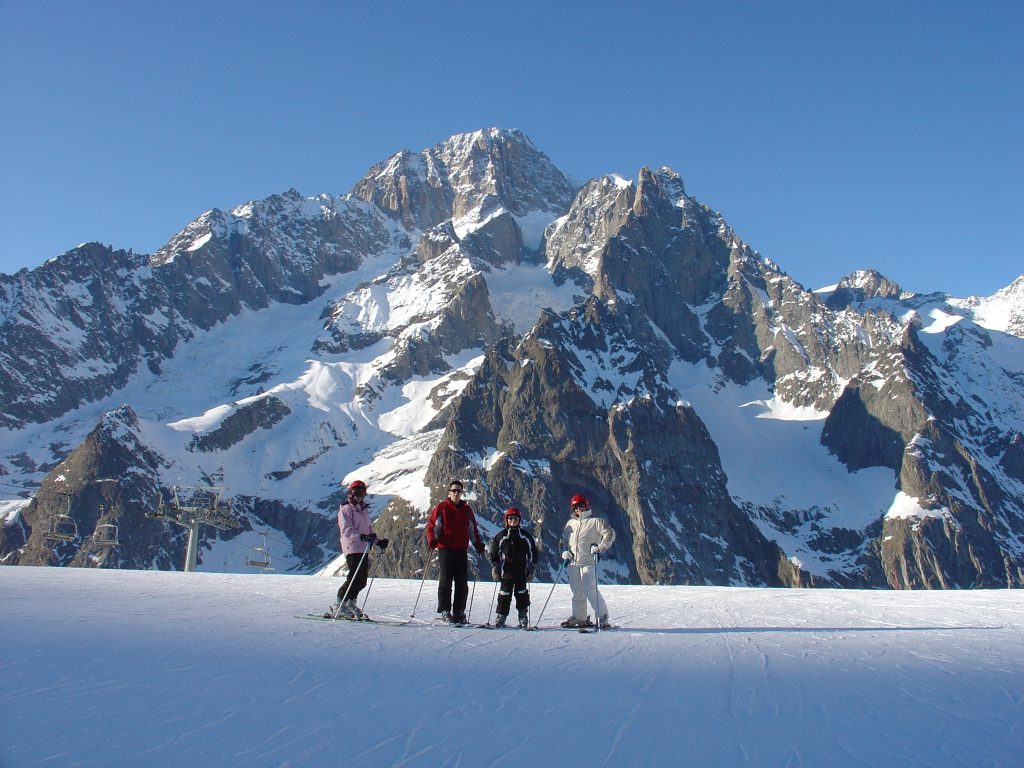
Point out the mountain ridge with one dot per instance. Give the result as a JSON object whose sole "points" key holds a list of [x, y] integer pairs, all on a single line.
{"points": [[465, 311]]}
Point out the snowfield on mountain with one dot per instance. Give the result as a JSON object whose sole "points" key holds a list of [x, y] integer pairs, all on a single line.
{"points": [[114, 668]]}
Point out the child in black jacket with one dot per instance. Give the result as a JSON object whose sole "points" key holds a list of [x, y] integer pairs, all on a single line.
{"points": [[513, 555]]}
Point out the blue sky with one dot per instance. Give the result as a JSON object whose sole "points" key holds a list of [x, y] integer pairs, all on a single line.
{"points": [[832, 136]]}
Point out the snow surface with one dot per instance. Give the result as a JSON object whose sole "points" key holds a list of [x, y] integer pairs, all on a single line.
{"points": [[130, 668]]}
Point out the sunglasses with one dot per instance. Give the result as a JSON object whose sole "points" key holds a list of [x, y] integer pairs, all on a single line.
{"points": [[454, 490]]}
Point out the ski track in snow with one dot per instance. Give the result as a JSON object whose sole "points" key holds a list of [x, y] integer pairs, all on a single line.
{"points": [[128, 668]]}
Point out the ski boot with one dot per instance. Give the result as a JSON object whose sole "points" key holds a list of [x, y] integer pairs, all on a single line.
{"points": [[573, 623], [347, 609], [524, 618], [459, 618], [499, 620]]}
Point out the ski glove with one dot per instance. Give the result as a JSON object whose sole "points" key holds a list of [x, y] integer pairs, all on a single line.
{"points": [[594, 549], [370, 537], [496, 573], [382, 543], [480, 548], [567, 556], [529, 573]]}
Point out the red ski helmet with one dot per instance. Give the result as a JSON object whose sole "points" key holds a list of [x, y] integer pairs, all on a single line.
{"points": [[513, 512], [356, 485], [579, 500]]}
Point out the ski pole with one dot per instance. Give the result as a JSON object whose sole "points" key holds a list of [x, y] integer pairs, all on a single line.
{"points": [[489, 610], [597, 593], [558, 578], [426, 565], [373, 572], [476, 578]]}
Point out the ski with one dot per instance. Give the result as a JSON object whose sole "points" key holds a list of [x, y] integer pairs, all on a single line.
{"points": [[365, 620], [458, 625]]}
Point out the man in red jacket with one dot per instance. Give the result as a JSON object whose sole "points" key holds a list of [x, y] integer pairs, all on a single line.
{"points": [[451, 527]]}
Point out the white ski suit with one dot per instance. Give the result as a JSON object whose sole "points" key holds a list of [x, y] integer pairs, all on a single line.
{"points": [[579, 534]]}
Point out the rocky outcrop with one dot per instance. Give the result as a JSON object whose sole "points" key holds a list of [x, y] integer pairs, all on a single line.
{"points": [[528, 432], [260, 413], [108, 480], [474, 174], [79, 327]]}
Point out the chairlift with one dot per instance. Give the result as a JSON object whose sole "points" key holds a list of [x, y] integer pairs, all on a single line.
{"points": [[259, 557], [62, 526], [105, 535]]}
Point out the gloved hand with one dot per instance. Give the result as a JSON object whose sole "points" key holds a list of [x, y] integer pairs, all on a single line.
{"points": [[529, 573], [382, 543], [496, 573], [432, 545], [567, 556], [480, 547], [594, 549], [370, 537]]}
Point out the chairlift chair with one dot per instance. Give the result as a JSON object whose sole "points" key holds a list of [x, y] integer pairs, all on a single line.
{"points": [[105, 535], [259, 557], [62, 526]]}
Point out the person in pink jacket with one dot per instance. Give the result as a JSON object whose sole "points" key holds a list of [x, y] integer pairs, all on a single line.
{"points": [[357, 537]]}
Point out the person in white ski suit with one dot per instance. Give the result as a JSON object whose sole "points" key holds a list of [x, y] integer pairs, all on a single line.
{"points": [[584, 536]]}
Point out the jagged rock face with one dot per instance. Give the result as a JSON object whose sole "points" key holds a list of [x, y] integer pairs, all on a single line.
{"points": [[478, 172], [406, 344], [79, 327], [261, 413], [76, 329], [862, 286], [876, 417], [647, 463], [972, 536], [108, 485], [110, 479]]}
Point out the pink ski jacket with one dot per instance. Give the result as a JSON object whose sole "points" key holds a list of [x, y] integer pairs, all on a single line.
{"points": [[354, 521]]}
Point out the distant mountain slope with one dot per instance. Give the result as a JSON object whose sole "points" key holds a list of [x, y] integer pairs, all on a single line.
{"points": [[465, 312]]}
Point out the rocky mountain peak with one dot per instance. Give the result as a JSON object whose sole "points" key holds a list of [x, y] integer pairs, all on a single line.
{"points": [[861, 286], [471, 174]]}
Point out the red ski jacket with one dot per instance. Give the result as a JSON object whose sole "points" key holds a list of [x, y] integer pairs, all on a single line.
{"points": [[451, 526]]}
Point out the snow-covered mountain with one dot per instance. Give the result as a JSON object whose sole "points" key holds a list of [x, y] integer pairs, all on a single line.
{"points": [[465, 312]]}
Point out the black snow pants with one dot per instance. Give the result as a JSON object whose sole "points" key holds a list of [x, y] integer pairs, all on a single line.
{"points": [[356, 576]]}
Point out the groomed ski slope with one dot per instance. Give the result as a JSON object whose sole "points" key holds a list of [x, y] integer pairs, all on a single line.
{"points": [[127, 668]]}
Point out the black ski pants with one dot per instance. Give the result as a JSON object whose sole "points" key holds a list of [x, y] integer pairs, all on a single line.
{"points": [[356, 576], [505, 590], [452, 570]]}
